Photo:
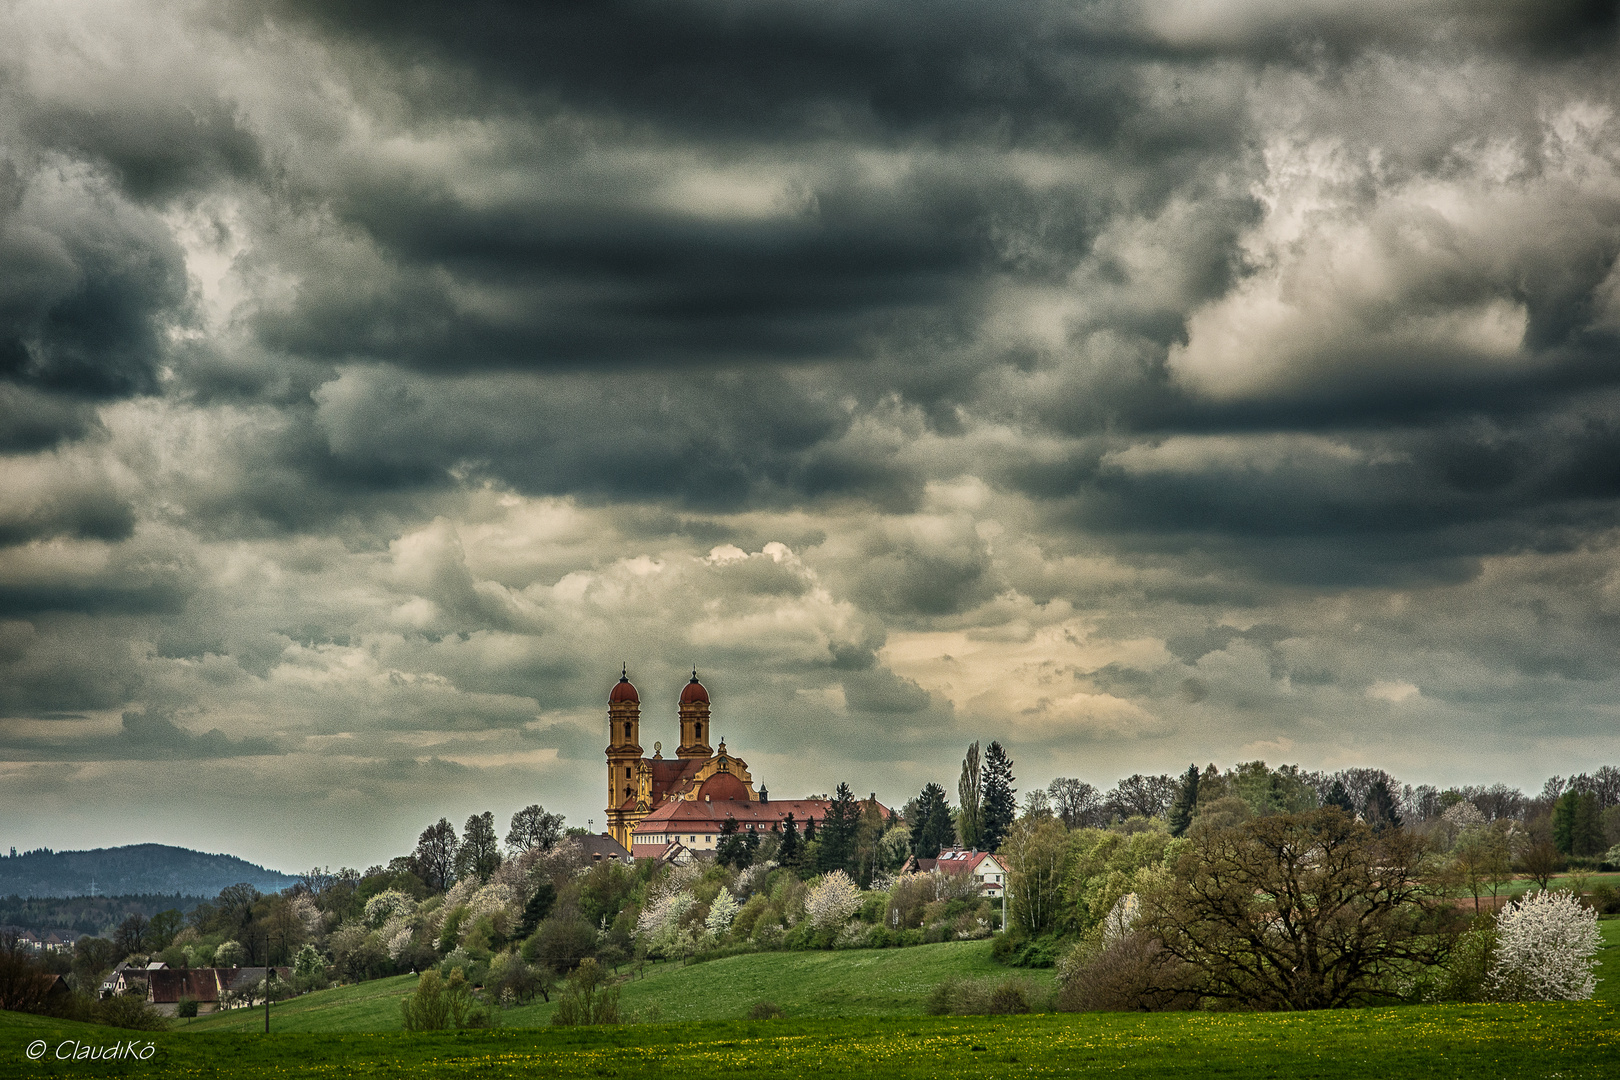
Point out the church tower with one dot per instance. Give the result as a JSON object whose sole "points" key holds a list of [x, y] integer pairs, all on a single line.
{"points": [[623, 755], [694, 709]]}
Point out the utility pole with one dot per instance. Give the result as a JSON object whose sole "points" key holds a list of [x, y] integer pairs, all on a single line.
{"points": [[267, 970]]}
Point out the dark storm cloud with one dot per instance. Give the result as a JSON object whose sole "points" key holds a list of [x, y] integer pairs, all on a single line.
{"points": [[87, 286]]}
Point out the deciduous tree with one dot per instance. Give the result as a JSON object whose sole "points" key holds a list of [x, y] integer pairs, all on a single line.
{"points": [[968, 790], [1299, 911], [480, 852], [436, 855], [1075, 802], [534, 829]]}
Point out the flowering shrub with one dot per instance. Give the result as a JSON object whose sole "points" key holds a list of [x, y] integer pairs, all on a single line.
{"points": [[495, 900], [659, 925], [396, 935], [1545, 945], [721, 911], [834, 899]]}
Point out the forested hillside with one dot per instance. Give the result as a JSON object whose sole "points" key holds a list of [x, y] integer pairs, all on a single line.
{"points": [[138, 868]]}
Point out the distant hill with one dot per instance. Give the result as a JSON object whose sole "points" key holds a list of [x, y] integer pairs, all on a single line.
{"points": [[137, 868]]}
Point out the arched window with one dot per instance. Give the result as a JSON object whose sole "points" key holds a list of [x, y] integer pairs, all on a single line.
{"points": [[697, 732], [627, 729]]}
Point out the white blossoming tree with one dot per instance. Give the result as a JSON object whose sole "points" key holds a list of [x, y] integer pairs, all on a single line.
{"points": [[1545, 947], [721, 911], [834, 899], [386, 905], [659, 925]]}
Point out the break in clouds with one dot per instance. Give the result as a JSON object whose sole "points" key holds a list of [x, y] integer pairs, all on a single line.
{"points": [[1136, 383]]}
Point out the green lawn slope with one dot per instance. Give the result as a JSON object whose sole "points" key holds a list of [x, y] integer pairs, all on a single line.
{"points": [[857, 982], [806, 985]]}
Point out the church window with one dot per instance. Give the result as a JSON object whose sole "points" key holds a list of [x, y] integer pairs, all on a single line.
{"points": [[627, 729], [697, 732], [627, 770]]}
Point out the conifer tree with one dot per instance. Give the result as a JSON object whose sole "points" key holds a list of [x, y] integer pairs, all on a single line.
{"points": [[998, 799], [934, 829], [733, 849], [1186, 803], [1586, 830], [787, 851], [1379, 810], [1563, 822], [838, 832], [1339, 797]]}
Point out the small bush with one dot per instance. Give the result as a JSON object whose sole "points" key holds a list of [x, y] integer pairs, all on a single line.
{"points": [[589, 997], [186, 1007], [1008, 999], [1132, 973], [981, 997], [130, 1011], [766, 1010]]}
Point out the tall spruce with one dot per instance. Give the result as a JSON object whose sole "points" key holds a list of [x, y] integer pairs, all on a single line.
{"points": [[967, 792], [787, 849], [935, 829], [998, 799], [838, 832], [1186, 802]]}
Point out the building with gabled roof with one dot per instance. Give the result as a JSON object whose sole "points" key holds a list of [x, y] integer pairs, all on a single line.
{"points": [[984, 867]]}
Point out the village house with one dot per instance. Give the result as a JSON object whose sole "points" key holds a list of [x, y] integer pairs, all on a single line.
{"points": [[983, 866]]}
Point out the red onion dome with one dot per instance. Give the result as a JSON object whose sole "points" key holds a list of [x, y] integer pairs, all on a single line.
{"points": [[624, 690], [694, 691]]}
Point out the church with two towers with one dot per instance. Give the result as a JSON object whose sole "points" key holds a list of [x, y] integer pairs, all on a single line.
{"points": [[657, 805]]}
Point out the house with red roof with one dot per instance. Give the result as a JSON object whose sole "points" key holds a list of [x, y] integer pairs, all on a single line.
{"points": [[984, 867]]}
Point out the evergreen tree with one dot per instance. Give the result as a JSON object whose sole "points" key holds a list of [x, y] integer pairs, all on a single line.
{"points": [[934, 828], [810, 830], [538, 907], [1586, 830], [1379, 809], [1563, 820], [1339, 797], [998, 799], [733, 848], [967, 792], [838, 832], [787, 851], [1186, 804]]}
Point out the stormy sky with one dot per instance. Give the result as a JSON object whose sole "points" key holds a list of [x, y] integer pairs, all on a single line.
{"points": [[1137, 383]]}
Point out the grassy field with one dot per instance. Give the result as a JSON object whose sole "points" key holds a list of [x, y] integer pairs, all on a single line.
{"points": [[861, 983], [1522, 1041], [850, 1014], [865, 982], [1520, 886]]}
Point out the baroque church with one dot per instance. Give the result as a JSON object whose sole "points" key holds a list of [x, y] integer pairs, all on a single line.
{"points": [[658, 806]]}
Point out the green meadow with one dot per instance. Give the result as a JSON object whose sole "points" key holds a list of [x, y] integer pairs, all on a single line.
{"points": [[850, 1014], [863, 982], [1565, 1041]]}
